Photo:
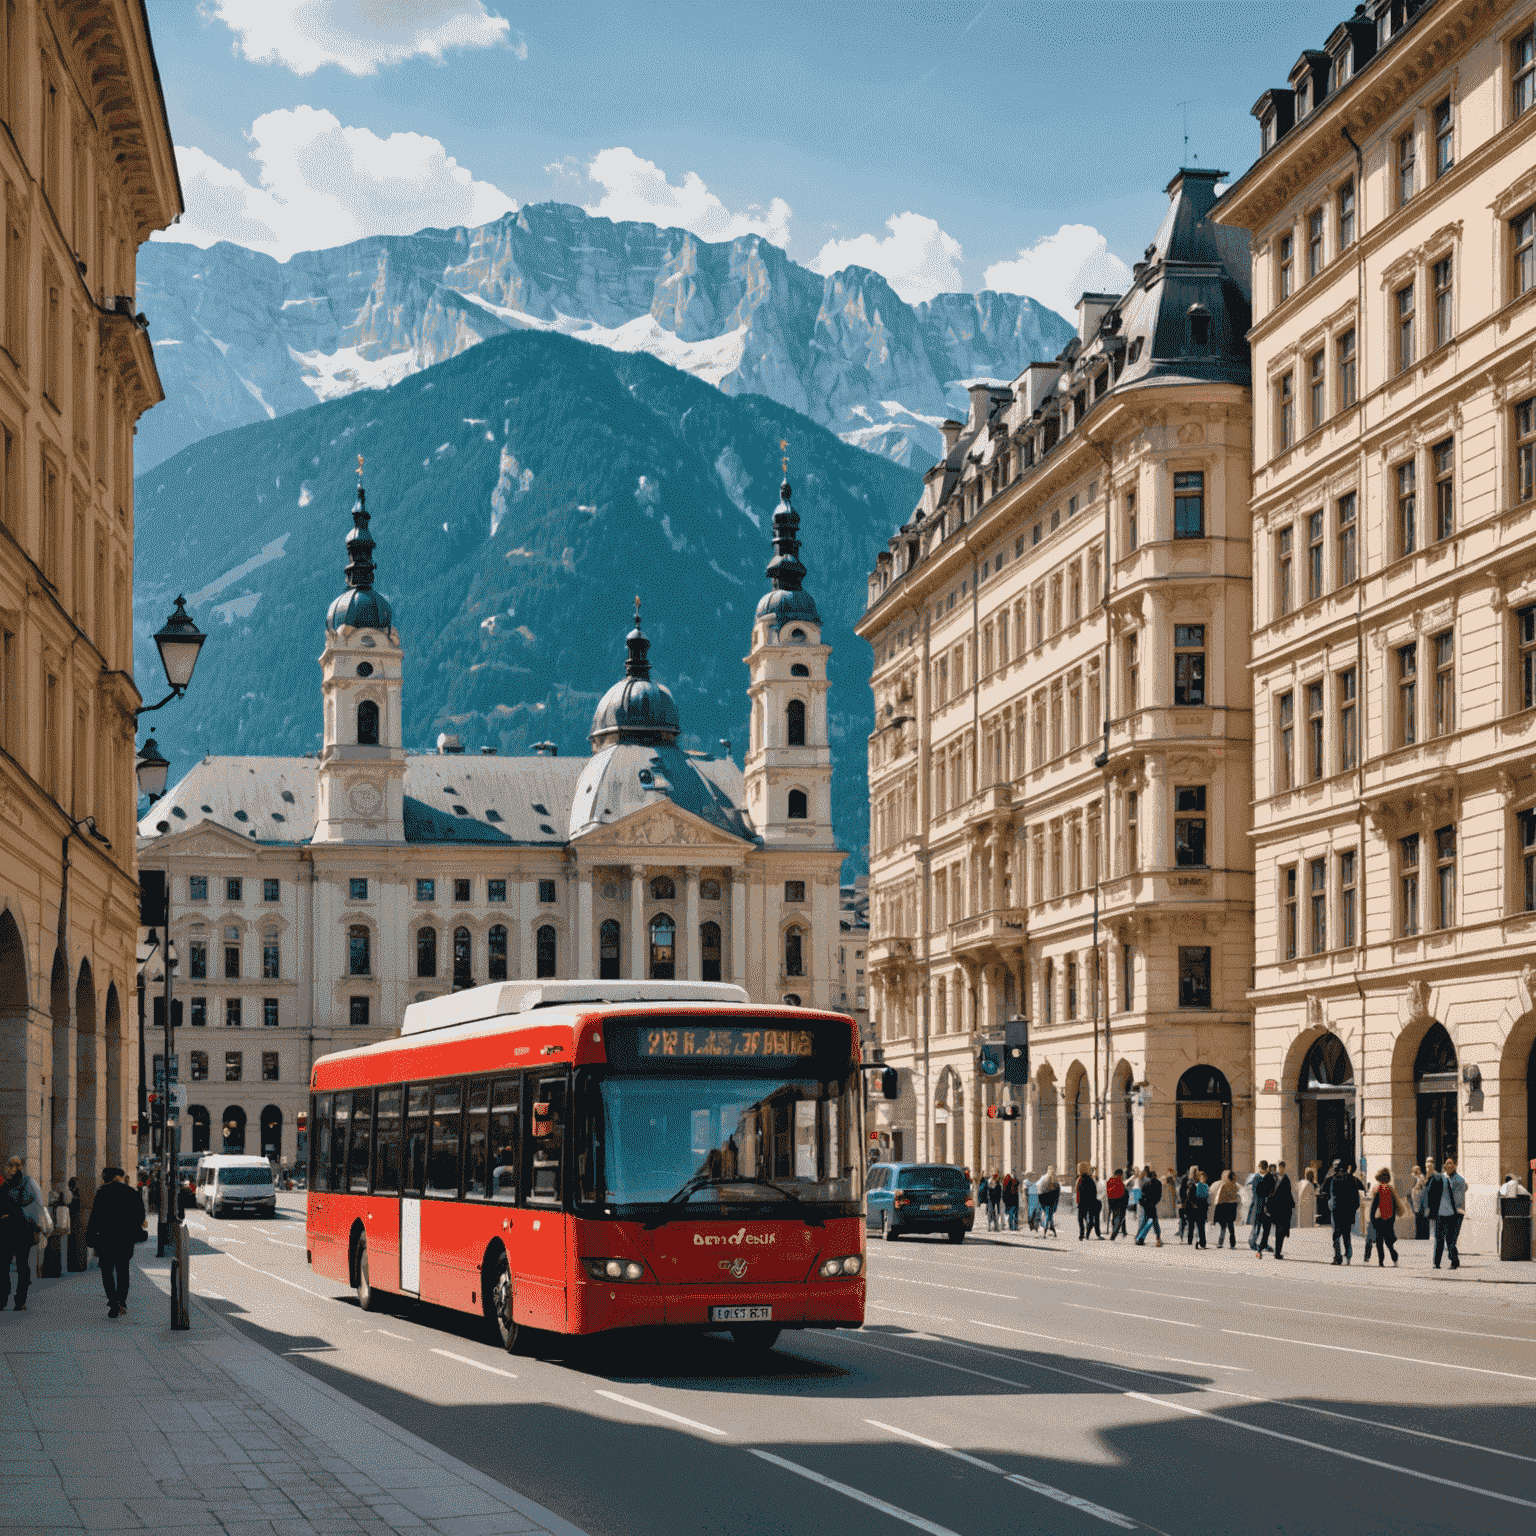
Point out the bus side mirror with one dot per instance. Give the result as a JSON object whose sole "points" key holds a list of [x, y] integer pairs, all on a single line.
{"points": [[890, 1084]]}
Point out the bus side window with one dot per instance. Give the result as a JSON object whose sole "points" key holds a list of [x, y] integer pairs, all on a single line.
{"points": [[474, 1139], [361, 1155], [505, 1093], [414, 1165], [546, 1127], [444, 1159], [386, 1143], [319, 1141], [340, 1123]]}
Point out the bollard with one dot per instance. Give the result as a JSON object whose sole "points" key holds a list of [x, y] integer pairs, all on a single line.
{"points": [[181, 1279]]}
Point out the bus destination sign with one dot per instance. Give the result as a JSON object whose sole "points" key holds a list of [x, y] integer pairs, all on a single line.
{"points": [[729, 1043]]}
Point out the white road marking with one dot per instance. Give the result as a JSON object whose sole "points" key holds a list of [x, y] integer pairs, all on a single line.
{"points": [[465, 1360], [661, 1413], [1174, 1296], [965, 1370], [938, 1285], [869, 1499], [1206, 1365], [212, 1296], [1061, 1497], [1386, 1322], [270, 1276], [281, 1244], [902, 1312], [938, 1445], [1376, 1354], [388, 1335], [1138, 1316]]}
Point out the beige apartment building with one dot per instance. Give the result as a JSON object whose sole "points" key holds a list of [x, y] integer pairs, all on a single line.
{"points": [[1391, 215], [86, 173], [1061, 765]]}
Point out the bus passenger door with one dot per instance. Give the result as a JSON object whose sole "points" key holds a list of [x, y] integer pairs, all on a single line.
{"points": [[410, 1244], [413, 1173], [538, 1253]]}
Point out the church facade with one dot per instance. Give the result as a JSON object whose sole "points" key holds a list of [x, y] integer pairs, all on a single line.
{"points": [[314, 898]]}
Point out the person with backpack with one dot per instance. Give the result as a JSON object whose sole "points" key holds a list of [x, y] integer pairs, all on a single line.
{"points": [[1344, 1203], [1225, 1211], [1011, 1202], [1445, 1197], [1151, 1193], [1282, 1206], [1382, 1206], [1181, 1206], [1197, 1205], [1117, 1195], [1083, 1193]]}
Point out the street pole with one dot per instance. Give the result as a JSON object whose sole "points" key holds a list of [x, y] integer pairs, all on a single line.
{"points": [[173, 1232]]}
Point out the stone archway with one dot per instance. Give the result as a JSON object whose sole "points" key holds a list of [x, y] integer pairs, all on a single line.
{"points": [[272, 1132], [1122, 1118], [88, 1087], [233, 1129], [113, 1032], [60, 1071], [1202, 1134], [1043, 1153], [1077, 1123], [1327, 1126], [1437, 1120], [15, 1014]]}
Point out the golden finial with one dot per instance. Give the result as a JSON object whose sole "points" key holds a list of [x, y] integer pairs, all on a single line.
{"points": [[359, 469], [637, 610], [784, 450]]}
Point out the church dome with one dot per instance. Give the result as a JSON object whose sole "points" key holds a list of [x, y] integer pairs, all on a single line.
{"points": [[637, 708], [360, 607], [788, 601]]}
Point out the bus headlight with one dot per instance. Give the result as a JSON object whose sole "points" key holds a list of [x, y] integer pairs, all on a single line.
{"points": [[614, 1269], [845, 1266]]}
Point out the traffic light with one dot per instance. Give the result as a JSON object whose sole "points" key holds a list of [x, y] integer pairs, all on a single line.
{"points": [[1016, 1050], [1002, 1112], [890, 1083], [303, 1121], [990, 1062]]}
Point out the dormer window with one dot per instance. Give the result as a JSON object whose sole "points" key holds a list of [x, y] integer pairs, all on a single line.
{"points": [[1199, 326], [1303, 98]]}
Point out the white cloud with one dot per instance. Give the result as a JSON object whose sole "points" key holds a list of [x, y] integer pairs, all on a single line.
{"points": [[917, 258], [1059, 269], [359, 35], [638, 189], [322, 184]]}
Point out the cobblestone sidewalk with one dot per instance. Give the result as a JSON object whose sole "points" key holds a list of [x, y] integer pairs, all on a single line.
{"points": [[126, 1426]]}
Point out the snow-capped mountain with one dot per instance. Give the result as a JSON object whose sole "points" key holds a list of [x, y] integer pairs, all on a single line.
{"points": [[240, 337]]}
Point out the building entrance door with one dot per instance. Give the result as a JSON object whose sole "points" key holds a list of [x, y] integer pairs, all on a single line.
{"points": [[1203, 1127], [1434, 1074]]}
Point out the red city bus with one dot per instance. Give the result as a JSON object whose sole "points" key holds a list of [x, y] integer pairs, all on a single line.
{"points": [[579, 1156]]}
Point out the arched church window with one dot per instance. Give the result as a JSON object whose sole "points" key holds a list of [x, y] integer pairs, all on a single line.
{"points": [[663, 948], [709, 951], [797, 634], [794, 716], [496, 955], [799, 670], [426, 951], [368, 724], [545, 949], [663, 889], [797, 805], [794, 951], [709, 890], [462, 974], [359, 950], [608, 950]]}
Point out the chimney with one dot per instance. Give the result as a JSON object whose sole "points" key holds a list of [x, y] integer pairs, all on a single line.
{"points": [[448, 746], [951, 431], [488, 751], [981, 405], [1091, 309]]}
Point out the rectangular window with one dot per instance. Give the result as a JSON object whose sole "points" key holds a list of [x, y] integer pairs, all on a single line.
{"points": [[1407, 163], [474, 1139], [199, 1066], [1314, 243], [495, 890], [1189, 504], [1527, 821], [1346, 539], [505, 1138], [232, 1014], [1344, 350], [1132, 857], [1314, 731], [1408, 885], [1283, 591], [1405, 328], [271, 970], [199, 1012], [1128, 976], [1523, 229], [1285, 411], [1132, 673], [1189, 825], [461, 890], [426, 890], [1526, 633], [1317, 878], [446, 1150], [1407, 508], [1347, 899], [1407, 695], [232, 1066], [1445, 683], [1445, 139], [271, 890], [359, 951], [231, 962], [1443, 456], [357, 889], [1347, 214], [1445, 293], [1188, 664], [232, 889], [357, 1012], [1286, 763], [1287, 258], [1130, 522], [546, 1127], [1316, 395], [386, 1143], [269, 1072], [1349, 737], [1289, 917], [546, 891], [1522, 70], [197, 888], [198, 962], [794, 890], [1445, 877], [1525, 450], [1314, 556], [1194, 976], [269, 1012]]}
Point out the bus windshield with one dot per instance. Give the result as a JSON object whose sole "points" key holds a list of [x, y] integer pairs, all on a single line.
{"points": [[710, 1146]]}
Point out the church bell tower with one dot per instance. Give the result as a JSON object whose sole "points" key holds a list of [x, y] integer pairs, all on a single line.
{"points": [[361, 779]]}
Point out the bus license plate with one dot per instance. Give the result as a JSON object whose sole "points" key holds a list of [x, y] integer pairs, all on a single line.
{"points": [[741, 1314]]}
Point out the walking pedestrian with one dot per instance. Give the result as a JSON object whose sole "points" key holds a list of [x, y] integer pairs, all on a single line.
{"points": [[117, 1223], [1181, 1205], [1383, 1212], [1151, 1193], [22, 1215], [1445, 1196], [1117, 1195], [1031, 1195], [1418, 1199], [1225, 1209], [1049, 1196], [1344, 1204], [1264, 1223], [1082, 1196], [1096, 1204], [1011, 1201], [1197, 1207], [77, 1255], [1281, 1207], [1255, 1204], [994, 1203]]}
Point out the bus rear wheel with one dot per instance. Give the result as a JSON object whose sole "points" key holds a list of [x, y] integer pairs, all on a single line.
{"points": [[756, 1338], [367, 1298], [498, 1295]]}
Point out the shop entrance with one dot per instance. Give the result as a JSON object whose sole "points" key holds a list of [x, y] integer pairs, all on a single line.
{"points": [[1434, 1080], [1203, 1127], [1325, 1098]]}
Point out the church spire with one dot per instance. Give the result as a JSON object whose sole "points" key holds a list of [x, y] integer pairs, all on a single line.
{"points": [[786, 570], [360, 544], [360, 606], [639, 663]]}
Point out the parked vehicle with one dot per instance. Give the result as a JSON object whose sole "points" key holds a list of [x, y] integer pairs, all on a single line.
{"points": [[919, 1197], [227, 1183]]}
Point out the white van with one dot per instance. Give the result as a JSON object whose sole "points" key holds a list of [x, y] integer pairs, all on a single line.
{"points": [[226, 1182]]}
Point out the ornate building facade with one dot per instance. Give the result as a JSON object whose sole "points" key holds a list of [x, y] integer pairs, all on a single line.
{"points": [[1060, 770], [313, 898], [1392, 213], [86, 173]]}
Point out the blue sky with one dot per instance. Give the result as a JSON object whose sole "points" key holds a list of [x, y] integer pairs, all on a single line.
{"points": [[934, 141]]}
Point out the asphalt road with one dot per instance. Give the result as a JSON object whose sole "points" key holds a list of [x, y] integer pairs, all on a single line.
{"points": [[1010, 1382]]}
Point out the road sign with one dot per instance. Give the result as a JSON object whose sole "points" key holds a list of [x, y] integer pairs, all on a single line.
{"points": [[160, 1070]]}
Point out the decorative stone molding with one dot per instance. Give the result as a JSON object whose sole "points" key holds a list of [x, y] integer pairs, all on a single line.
{"points": [[1416, 1001], [1315, 1017]]}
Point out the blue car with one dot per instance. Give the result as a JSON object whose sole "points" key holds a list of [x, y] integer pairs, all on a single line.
{"points": [[919, 1197]]}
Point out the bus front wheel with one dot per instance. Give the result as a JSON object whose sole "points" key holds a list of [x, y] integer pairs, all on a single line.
{"points": [[367, 1298], [756, 1338], [499, 1295]]}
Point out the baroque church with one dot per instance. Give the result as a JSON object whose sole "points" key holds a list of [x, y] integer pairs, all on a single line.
{"points": [[313, 898]]}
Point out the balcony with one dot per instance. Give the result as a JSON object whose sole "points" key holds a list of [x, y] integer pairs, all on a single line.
{"points": [[889, 954], [1002, 928], [994, 800]]}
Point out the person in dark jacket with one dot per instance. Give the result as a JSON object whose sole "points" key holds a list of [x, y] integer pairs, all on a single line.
{"points": [[1343, 1192], [1011, 1202], [21, 1214], [1151, 1193], [117, 1220], [1197, 1207], [1084, 1193], [1118, 1197], [1281, 1208], [77, 1260], [1264, 1224]]}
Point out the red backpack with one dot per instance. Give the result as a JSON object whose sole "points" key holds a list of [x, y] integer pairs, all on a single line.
{"points": [[1115, 1189], [1386, 1203]]}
